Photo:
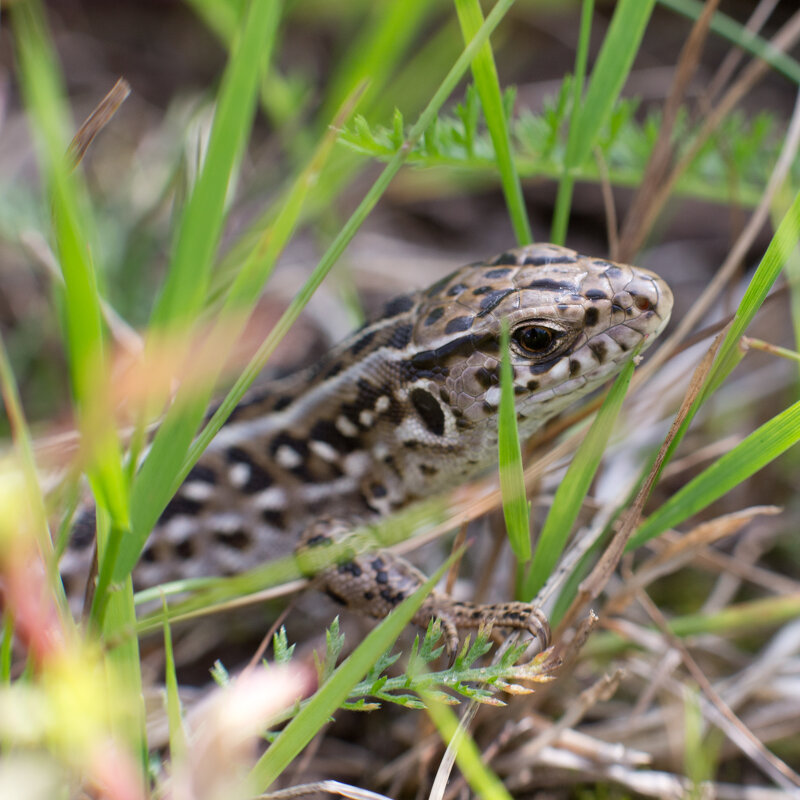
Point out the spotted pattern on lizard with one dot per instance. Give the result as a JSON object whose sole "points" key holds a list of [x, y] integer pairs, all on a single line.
{"points": [[403, 409]]}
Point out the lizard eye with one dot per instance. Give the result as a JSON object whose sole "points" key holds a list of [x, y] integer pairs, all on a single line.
{"points": [[535, 339]]}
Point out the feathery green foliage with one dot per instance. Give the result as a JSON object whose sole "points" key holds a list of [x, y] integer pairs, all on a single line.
{"points": [[459, 141]]}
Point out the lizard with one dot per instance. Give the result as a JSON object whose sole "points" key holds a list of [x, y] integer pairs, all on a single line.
{"points": [[404, 408]]}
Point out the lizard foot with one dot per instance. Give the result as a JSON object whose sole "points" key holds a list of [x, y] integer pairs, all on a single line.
{"points": [[375, 583], [457, 615]]}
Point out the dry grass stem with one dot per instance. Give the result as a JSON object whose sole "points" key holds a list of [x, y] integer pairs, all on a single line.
{"points": [[97, 120], [634, 229], [600, 691], [591, 587], [743, 243], [609, 206], [775, 768], [754, 72], [732, 60], [681, 551], [330, 787]]}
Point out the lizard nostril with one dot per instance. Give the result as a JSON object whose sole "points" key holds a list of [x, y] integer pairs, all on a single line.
{"points": [[642, 303]]}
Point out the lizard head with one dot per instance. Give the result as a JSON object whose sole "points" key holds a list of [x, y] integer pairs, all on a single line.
{"points": [[572, 320]]}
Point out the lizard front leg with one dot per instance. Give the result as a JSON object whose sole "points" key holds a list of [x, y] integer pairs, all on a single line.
{"points": [[375, 583]]}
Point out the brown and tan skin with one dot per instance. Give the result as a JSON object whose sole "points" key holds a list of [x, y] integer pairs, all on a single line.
{"points": [[403, 409]]}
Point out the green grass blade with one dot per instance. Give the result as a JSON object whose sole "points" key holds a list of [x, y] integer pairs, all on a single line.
{"points": [[512, 480], [727, 27], [749, 616], [484, 71], [177, 735], [484, 783], [6, 648], [221, 17], [610, 72], [733, 620], [558, 233], [122, 660], [257, 267], [756, 451], [44, 98], [187, 282], [608, 76], [572, 490], [24, 447], [200, 227], [299, 732], [780, 248], [729, 355], [380, 45]]}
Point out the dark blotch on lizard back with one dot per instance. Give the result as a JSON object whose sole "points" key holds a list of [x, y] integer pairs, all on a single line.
{"points": [[457, 289], [596, 294], [399, 305], [180, 506], [507, 258], [591, 317], [325, 430], [439, 285], [200, 472], [360, 343], [285, 440], [549, 285], [429, 410], [258, 479], [273, 517], [543, 261], [434, 316], [332, 371], [427, 361], [492, 300], [400, 337], [185, 549], [236, 540], [458, 324], [496, 273]]}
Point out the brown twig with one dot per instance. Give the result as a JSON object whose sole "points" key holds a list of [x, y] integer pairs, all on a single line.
{"points": [[774, 767], [753, 73], [635, 229], [97, 120], [591, 587]]}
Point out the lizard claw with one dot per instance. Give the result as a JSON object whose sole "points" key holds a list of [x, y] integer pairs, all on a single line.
{"points": [[455, 615]]}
